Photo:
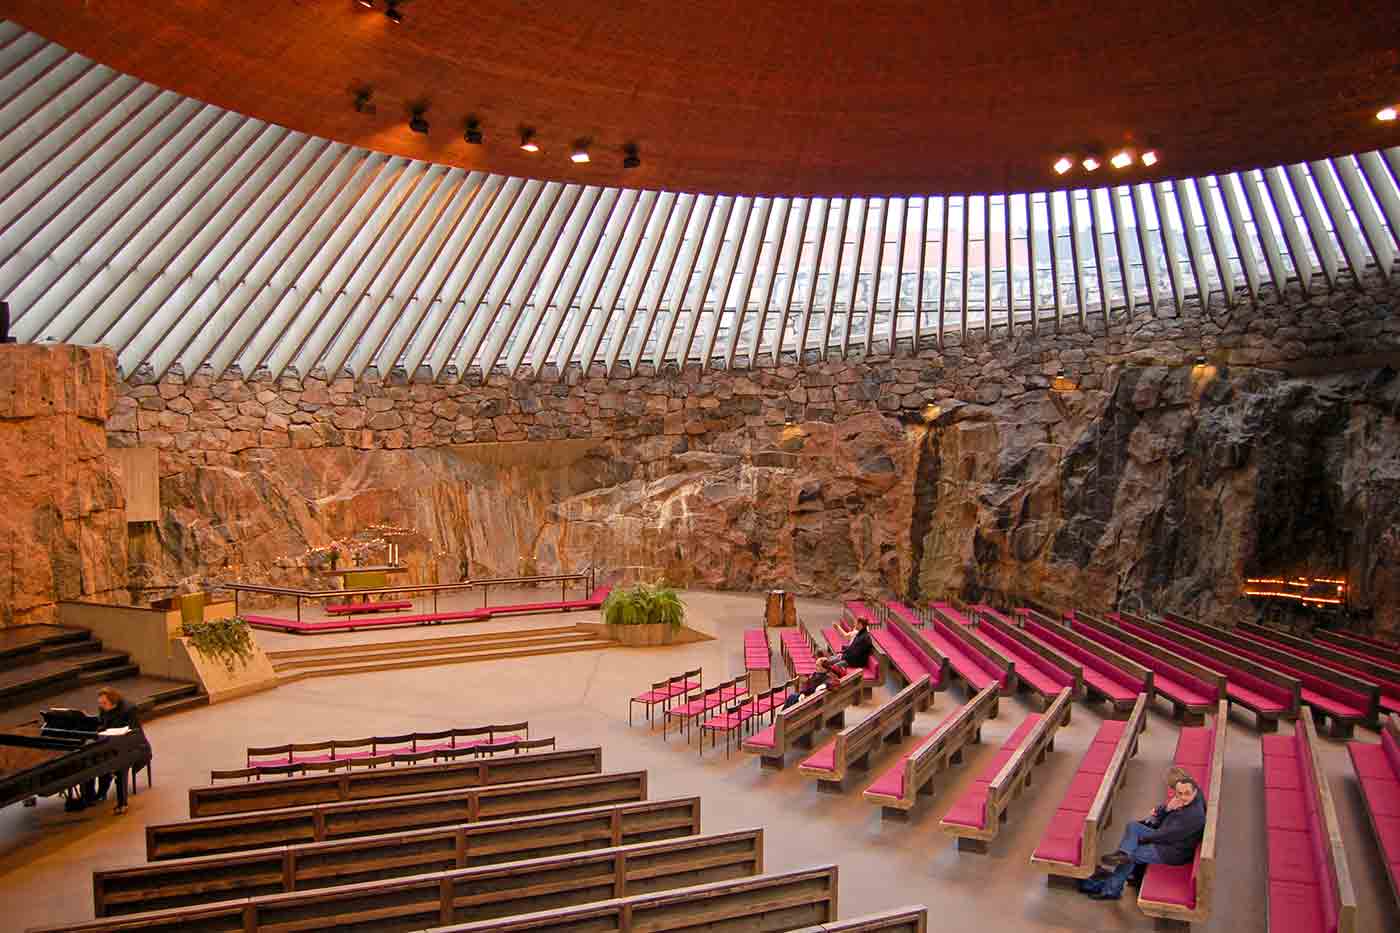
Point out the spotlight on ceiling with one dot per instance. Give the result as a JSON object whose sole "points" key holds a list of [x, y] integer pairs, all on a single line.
{"points": [[631, 156], [1122, 158], [1091, 163], [472, 133], [418, 123], [391, 10], [527, 141], [1387, 114], [363, 102], [580, 153], [367, 4], [1149, 158], [1063, 164]]}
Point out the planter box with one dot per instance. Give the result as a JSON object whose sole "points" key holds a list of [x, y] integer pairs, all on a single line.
{"points": [[641, 635]]}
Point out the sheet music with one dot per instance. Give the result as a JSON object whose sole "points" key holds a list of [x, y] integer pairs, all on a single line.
{"points": [[109, 733]]}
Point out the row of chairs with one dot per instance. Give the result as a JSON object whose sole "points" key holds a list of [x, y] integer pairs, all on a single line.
{"points": [[481, 750], [408, 743], [665, 692]]}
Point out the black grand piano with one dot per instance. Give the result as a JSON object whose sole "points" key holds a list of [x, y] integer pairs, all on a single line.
{"points": [[60, 752]]}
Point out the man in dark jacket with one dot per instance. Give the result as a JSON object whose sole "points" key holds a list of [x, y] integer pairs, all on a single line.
{"points": [[860, 647], [113, 712], [1168, 837]]}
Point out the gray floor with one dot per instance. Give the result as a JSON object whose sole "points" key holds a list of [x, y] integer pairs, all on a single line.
{"points": [[46, 856]]}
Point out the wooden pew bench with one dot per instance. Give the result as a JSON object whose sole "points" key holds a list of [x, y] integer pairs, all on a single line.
{"points": [[184, 882], [1192, 689], [899, 920], [218, 800], [970, 659], [1344, 699], [1387, 680], [1377, 770], [794, 727], [788, 901], [977, 815], [320, 822], [1108, 676], [1262, 690], [1041, 669], [873, 671], [1069, 847], [799, 650], [486, 892], [1179, 895], [910, 655], [853, 745], [898, 788], [1309, 883]]}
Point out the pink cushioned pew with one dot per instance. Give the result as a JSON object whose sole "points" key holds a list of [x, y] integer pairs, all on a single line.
{"points": [[1378, 770], [1191, 688], [1108, 675], [1039, 667], [910, 655]]}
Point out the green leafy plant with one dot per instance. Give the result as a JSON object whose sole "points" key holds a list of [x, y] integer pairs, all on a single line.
{"points": [[228, 641], [644, 605]]}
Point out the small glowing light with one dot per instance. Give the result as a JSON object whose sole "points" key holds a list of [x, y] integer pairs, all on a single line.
{"points": [[1122, 159], [1387, 114], [367, 3], [931, 412], [579, 155], [1149, 158], [1090, 164], [1063, 165], [527, 141]]}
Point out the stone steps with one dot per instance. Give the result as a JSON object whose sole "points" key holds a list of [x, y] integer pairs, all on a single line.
{"points": [[430, 653]]}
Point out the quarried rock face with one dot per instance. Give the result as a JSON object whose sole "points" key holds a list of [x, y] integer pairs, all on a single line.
{"points": [[63, 523]]}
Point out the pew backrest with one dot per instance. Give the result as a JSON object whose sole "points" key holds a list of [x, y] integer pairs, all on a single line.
{"points": [[1213, 680], [853, 742], [921, 648], [899, 920], [770, 902], [1326, 829], [1014, 775], [1054, 633], [1047, 656], [983, 654], [959, 729], [1114, 775]]}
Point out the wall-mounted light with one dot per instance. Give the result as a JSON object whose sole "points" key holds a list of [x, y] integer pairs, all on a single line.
{"points": [[631, 156], [1149, 158], [1122, 158], [1387, 114], [580, 153], [472, 133], [367, 4], [527, 140], [1091, 163], [1062, 165]]}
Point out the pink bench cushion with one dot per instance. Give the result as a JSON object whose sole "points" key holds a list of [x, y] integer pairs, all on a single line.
{"points": [[909, 665], [970, 666], [1063, 839], [765, 738], [971, 807], [1376, 769], [1242, 686], [1104, 677], [1171, 682], [823, 759], [891, 782], [756, 654]]}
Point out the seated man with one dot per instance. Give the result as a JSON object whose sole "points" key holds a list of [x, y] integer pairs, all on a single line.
{"points": [[1168, 837], [113, 712], [828, 672], [859, 647]]}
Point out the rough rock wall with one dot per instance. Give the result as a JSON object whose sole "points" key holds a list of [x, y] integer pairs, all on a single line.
{"points": [[1145, 478], [63, 524]]}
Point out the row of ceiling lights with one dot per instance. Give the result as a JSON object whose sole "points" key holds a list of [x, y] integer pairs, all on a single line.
{"points": [[1092, 161], [529, 142]]}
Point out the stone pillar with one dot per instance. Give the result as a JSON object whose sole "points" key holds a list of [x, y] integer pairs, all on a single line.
{"points": [[63, 518]]}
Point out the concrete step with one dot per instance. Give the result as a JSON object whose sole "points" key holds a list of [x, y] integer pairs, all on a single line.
{"points": [[350, 665], [424, 649], [479, 638]]}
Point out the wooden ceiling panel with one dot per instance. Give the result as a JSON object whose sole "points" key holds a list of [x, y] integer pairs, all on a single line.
{"points": [[769, 97]]}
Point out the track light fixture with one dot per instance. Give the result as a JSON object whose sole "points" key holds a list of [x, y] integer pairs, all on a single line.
{"points": [[1387, 114], [631, 156], [391, 10], [363, 102], [472, 133], [580, 153], [527, 140], [367, 4], [1149, 158], [1062, 165], [1091, 162], [418, 123], [1121, 159]]}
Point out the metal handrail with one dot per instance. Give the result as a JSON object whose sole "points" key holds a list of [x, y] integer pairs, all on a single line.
{"points": [[588, 575]]}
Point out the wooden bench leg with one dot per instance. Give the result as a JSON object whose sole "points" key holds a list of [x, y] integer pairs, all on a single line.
{"points": [[771, 762], [980, 846], [894, 813], [1062, 881], [1340, 730], [1167, 923], [1189, 718], [1266, 724], [831, 787]]}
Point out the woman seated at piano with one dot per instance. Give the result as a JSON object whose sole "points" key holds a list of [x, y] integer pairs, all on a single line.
{"points": [[113, 712]]}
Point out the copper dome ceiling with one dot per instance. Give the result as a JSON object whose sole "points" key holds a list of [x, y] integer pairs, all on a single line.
{"points": [[770, 97]]}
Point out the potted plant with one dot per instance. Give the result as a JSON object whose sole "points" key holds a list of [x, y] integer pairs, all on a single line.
{"points": [[643, 614]]}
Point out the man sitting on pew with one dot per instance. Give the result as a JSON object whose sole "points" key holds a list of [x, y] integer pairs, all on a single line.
{"points": [[1168, 837], [829, 671], [859, 646]]}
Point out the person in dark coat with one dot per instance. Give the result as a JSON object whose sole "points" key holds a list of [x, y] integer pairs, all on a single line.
{"points": [[113, 712], [1169, 836], [860, 645], [829, 671]]}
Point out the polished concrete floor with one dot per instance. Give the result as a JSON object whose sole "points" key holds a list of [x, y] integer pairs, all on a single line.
{"points": [[46, 856]]}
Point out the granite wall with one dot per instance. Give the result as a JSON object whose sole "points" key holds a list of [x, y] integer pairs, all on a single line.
{"points": [[1153, 464], [63, 522]]}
